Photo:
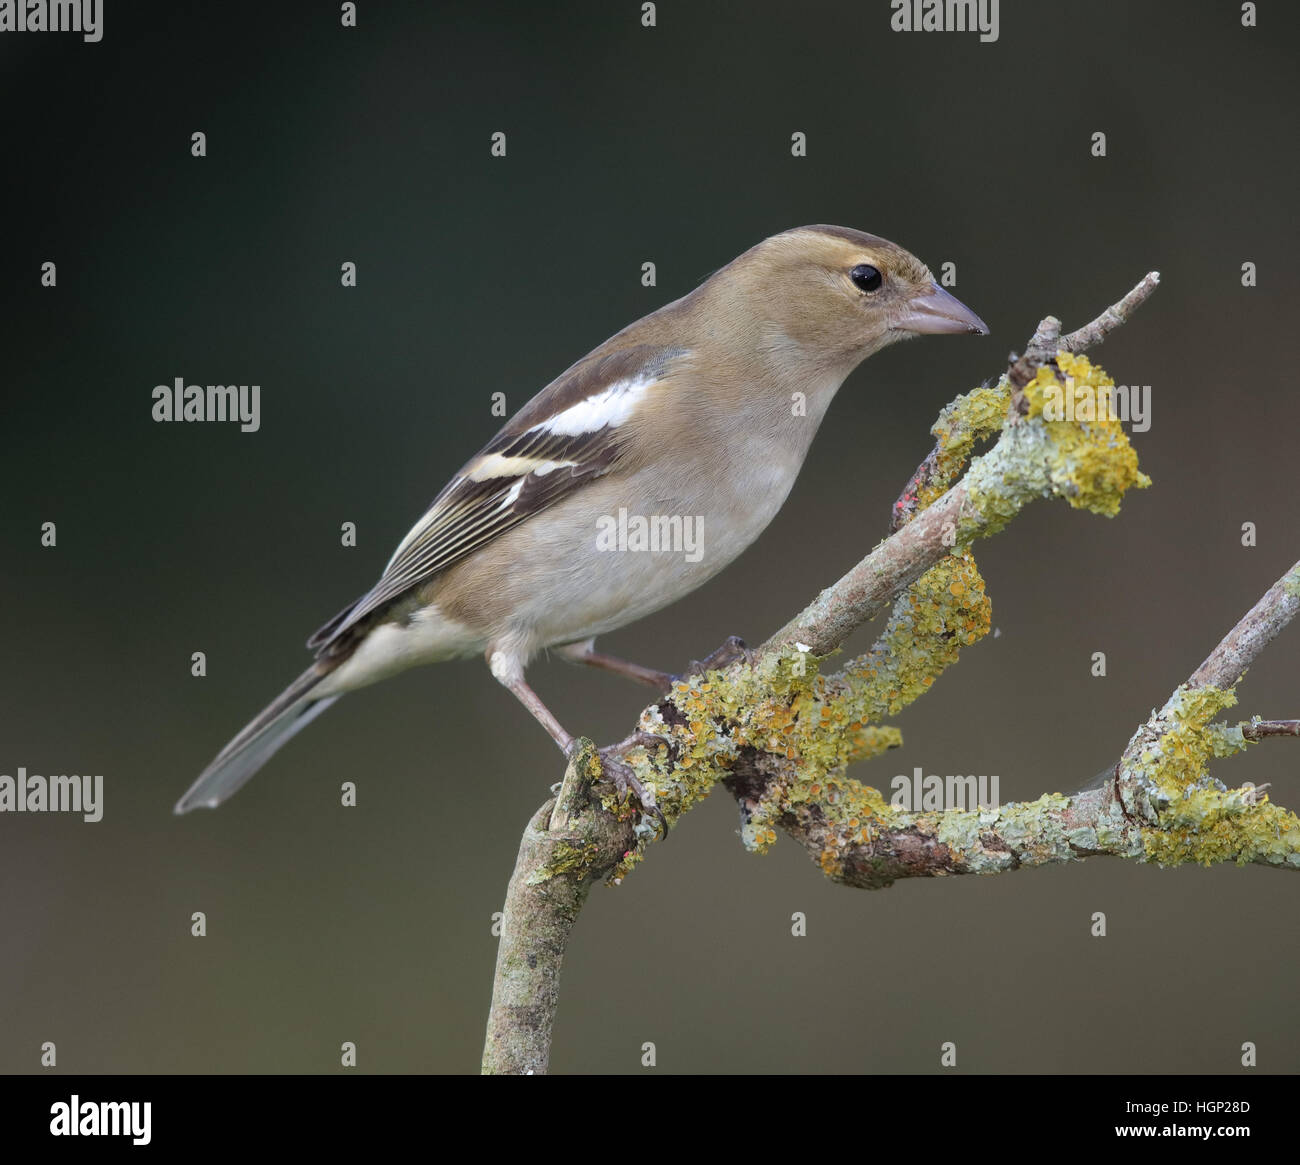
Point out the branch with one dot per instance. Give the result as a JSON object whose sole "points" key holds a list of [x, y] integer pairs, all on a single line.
{"points": [[1162, 782], [1227, 663], [1161, 806], [568, 846]]}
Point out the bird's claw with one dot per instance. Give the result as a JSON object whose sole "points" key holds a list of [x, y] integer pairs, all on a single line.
{"points": [[618, 771], [732, 649]]}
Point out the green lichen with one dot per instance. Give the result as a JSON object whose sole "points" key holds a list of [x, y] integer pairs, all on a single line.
{"points": [[566, 859], [831, 724], [715, 716], [988, 841], [1197, 818], [1226, 739], [945, 610], [846, 812], [785, 708], [971, 417], [1081, 455], [1233, 826], [1175, 761]]}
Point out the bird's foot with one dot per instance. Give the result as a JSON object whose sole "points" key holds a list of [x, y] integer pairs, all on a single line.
{"points": [[732, 649], [620, 773]]}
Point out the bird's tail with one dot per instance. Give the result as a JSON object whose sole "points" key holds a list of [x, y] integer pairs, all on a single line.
{"points": [[292, 710]]}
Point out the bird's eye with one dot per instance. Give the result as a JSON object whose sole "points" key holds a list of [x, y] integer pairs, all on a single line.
{"points": [[865, 277]]}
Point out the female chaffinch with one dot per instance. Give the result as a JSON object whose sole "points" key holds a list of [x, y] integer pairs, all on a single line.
{"points": [[627, 482]]}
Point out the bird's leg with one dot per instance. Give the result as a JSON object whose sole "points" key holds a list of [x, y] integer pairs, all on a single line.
{"points": [[731, 650], [586, 652], [509, 673]]}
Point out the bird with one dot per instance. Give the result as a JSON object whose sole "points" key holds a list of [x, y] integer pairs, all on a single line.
{"points": [[630, 480]]}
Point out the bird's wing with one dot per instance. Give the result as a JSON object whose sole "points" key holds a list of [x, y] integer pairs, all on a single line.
{"points": [[569, 434]]}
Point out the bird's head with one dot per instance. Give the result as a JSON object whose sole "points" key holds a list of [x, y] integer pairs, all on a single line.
{"points": [[836, 295]]}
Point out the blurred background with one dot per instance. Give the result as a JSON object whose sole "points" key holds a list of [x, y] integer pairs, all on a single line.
{"points": [[476, 275]]}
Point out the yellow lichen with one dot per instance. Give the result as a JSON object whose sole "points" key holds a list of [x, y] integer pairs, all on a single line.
{"points": [[943, 611], [1093, 464], [1069, 444]]}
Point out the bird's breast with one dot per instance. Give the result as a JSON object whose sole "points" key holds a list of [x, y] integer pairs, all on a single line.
{"points": [[631, 543]]}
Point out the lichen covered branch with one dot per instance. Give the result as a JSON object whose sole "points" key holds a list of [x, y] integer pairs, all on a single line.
{"points": [[1162, 805], [779, 735], [1163, 777], [570, 844]]}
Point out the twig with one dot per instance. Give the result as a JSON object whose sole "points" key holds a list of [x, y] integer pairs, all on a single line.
{"points": [[1090, 335], [1228, 662], [1259, 729], [1043, 346], [867, 589]]}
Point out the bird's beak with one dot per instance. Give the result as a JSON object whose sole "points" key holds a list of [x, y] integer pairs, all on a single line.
{"points": [[934, 312]]}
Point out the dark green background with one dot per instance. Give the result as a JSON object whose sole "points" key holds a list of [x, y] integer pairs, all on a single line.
{"points": [[480, 275]]}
